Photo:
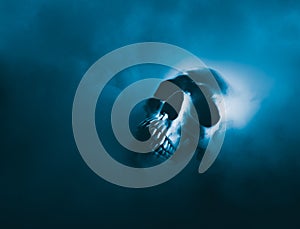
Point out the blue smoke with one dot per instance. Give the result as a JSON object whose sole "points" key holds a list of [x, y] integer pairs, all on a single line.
{"points": [[47, 46]]}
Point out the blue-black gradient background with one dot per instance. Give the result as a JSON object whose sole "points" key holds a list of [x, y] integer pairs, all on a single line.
{"points": [[47, 46]]}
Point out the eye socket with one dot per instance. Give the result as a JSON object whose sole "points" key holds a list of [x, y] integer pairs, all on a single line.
{"points": [[152, 105], [172, 105], [207, 110]]}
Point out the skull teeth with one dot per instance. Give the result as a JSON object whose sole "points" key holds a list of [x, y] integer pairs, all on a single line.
{"points": [[165, 144], [165, 150]]}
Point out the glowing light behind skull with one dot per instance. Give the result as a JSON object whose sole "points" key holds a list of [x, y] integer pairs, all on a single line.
{"points": [[248, 89]]}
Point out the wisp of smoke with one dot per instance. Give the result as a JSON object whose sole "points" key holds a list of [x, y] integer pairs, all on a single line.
{"points": [[248, 88]]}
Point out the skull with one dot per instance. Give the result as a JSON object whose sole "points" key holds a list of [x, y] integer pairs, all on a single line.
{"points": [[168, 110]]}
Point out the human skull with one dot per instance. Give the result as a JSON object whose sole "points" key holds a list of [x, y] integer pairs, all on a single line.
{"points": [[169, 109]]}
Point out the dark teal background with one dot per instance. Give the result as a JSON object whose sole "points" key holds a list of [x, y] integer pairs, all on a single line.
{"points": [[47, 46]]}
